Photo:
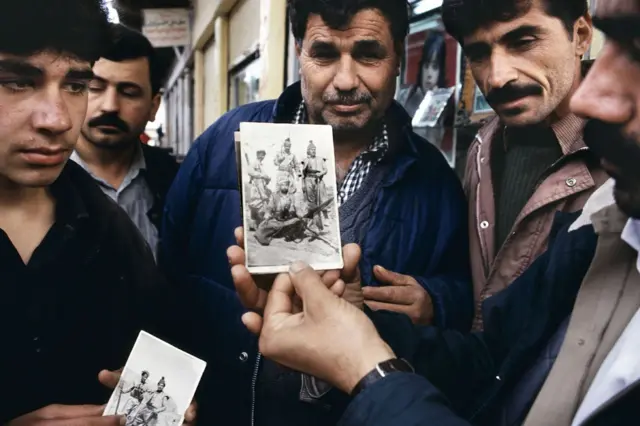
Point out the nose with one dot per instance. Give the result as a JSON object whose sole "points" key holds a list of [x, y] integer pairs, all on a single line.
{"points": [[605, 94], [501, 71], [346, 78], [110, 100], [52, 115]]}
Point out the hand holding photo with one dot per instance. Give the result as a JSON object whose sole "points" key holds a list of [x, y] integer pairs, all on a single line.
{"points": [[289, 197], [157, 384]]}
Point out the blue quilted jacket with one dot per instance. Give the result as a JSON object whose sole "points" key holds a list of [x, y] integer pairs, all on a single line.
{"points": [[418, 227]]}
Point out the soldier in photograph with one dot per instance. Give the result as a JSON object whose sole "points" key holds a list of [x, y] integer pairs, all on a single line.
{"points": [[287, 164], [314, 170], [259, 193]]}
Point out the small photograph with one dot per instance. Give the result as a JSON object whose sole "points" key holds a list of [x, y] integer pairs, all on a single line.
{"points": [[157, 384], [289, 197]]}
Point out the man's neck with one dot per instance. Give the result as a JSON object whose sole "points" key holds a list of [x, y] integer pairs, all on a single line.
{"points": [[347, 147], [110, 165]]}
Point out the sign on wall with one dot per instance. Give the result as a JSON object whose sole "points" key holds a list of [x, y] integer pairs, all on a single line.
{"points": [[167, 27]]}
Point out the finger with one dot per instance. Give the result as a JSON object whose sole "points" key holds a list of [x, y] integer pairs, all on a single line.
{"points": [[381, 306], [390, 277], [239, 234], [251, 297], [253, 322], [329, 278], [394, 295], [190, 415], [59, 411], [351, 257], [109, 378], [236, 255], [90, 421], [280, 298], [309, 287], [338, 288]]}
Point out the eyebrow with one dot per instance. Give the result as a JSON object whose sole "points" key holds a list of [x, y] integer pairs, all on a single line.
{"points": [[24, 69], [373, 46], [319, 45], [620, 28], [513, 35]]}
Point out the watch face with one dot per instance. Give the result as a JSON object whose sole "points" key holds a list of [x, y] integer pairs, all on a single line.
{"points": [[396, 364]]}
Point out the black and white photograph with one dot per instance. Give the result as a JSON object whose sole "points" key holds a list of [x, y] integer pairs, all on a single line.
{"points": [[290, 207], [157, 384]]}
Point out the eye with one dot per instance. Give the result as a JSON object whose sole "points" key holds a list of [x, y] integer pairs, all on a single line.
{"points": [[76, 88], [523, 43], [17, 85]]}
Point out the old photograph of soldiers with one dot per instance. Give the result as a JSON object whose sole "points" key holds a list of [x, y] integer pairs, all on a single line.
{"points": [[157, 384], [289, 197]]}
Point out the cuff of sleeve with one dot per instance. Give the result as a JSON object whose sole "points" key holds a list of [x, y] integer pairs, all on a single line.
{"points": [[439, 314]]}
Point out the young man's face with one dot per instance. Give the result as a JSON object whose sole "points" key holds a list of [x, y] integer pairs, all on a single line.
{"points": [[43, 101], [348, 75], [121, 103], [528, 67], [610, 97]]}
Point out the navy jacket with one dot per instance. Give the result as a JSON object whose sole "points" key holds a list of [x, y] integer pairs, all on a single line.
{"points": [[472, 378], [418, 227]]}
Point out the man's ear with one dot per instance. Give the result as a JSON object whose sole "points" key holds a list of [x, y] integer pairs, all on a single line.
{"points": [[155, 104], [583, 34]]}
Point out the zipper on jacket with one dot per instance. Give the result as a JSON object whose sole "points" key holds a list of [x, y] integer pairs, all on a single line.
{"points": [[254, 381]]}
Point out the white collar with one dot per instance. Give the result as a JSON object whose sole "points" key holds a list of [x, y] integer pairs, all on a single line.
{"points": [[600, 199]]}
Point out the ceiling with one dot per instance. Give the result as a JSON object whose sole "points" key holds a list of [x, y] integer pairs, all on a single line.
{"points": [[130, 14]]}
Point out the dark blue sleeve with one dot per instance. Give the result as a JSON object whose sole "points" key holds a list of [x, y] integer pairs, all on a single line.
{"points": [[447, 276], [401, 399]]}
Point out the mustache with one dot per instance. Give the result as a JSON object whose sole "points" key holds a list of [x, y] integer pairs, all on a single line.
{"points": [[609, 141], [109, 119], [347, 98], [512, 92]]}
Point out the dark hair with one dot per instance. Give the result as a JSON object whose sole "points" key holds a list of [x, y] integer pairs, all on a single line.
{"points": [[76, 28], [127, 43], [463, 17], [338, 14], [434, 46]]}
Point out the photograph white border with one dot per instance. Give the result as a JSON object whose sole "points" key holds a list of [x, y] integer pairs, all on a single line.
{"points": [[277, 269]]}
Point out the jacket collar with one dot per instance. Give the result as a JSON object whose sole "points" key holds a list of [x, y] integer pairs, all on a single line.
{"points": [[397, 119]]}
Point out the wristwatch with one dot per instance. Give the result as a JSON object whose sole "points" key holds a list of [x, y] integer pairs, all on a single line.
{"points": [[394, 365]]}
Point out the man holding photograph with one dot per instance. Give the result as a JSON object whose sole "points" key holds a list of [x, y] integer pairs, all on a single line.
{"points": [[78, 279], [399, 200]]}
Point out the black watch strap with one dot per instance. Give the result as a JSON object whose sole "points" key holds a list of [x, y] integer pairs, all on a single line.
{"points": [[383, 369]]}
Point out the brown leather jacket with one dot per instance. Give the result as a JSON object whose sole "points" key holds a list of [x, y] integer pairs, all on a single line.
{"points": [[565, 187]]}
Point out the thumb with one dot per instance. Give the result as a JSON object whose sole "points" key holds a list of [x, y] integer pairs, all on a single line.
{"points": [[351, 257], [309, 286], [109, 378], [389, 277]]}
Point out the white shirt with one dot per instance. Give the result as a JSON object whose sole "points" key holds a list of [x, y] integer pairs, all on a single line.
{"points": [[621, 367]]}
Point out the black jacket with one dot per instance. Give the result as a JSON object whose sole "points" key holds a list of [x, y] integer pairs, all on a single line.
{"points": [[79, 308], [473, 377], [162, 168]]}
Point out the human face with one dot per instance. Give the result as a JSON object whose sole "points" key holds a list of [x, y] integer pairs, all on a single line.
{"points": [[261, 156], [43, 99], [121, 103], [431, 74], [284, 187], [312, 152], [610, 97], [527, 68], [287, 147], [144, 377], [348, 75]]}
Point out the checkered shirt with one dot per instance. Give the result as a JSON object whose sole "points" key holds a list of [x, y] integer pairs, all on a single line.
{"points": [[362, 165]]}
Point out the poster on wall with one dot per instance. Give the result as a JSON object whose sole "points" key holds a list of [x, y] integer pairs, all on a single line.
{"points": [[428, 82], [167, 27]]}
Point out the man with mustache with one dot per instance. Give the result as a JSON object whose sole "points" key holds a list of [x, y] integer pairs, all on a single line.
{"points": [[124, 96], [583, 296], [530, 161], [398, 197]]}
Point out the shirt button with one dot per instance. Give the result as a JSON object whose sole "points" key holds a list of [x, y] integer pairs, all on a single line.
{"points": [[571, 182], [482, 160], [243, 357], [484, 224], [38, 350], [35, 339]]}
